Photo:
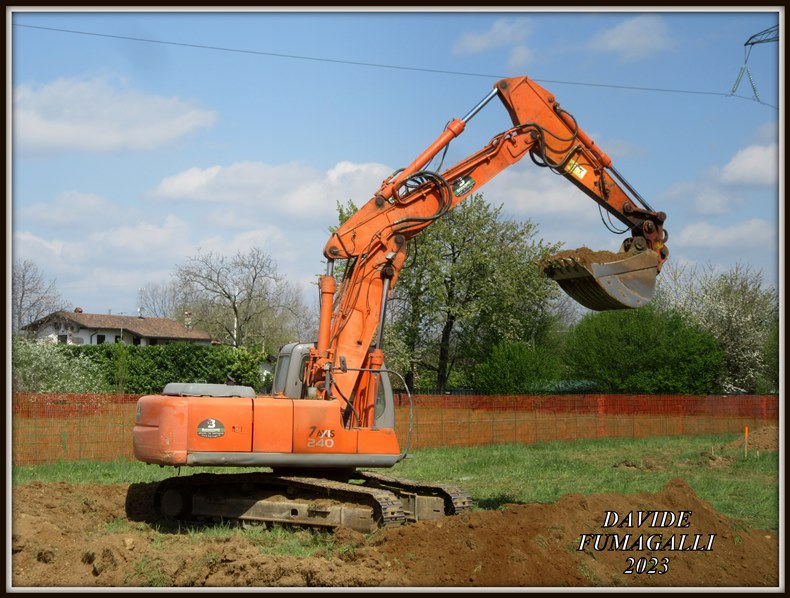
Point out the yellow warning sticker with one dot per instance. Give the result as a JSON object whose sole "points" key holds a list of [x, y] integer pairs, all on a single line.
{"points": [[576, 169]]}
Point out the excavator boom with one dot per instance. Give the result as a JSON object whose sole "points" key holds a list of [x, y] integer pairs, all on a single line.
{"points": [[374, 239]]}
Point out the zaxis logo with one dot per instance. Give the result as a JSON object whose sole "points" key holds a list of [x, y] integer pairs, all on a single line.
{"points": [[320, 438]]}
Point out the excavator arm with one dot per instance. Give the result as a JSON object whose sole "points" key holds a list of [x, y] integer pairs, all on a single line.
{"points": [[374, 239]]}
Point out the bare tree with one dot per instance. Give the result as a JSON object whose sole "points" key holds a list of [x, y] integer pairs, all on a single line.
{"points": [[32, 297], [161, 300], [241, 299]]}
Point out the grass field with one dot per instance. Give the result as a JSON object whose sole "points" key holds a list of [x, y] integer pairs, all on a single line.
{"points": [[746, 488]]}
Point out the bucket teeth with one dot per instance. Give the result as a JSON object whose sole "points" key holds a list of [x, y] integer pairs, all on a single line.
{"points": [[564, 265]]}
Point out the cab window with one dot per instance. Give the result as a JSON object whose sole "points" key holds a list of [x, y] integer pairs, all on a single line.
{"points": [[281, 374]]}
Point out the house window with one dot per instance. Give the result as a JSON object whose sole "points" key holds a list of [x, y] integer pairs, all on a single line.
{"points": [[136, 340], [117, 338], [152, 341], [63, 338], [99, 339]]}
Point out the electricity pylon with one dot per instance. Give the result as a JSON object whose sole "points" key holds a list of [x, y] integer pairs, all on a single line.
{"points": [[769, 35]]}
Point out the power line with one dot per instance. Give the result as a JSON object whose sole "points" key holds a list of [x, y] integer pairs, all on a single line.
{"points": [[258, 52], [377, 65]]}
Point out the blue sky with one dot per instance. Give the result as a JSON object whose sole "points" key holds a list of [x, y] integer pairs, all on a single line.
{"points": [[140, 138]]}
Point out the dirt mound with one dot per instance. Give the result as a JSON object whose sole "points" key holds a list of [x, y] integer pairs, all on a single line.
{"points": [[79, 535], [765, 438], [584, 255]]}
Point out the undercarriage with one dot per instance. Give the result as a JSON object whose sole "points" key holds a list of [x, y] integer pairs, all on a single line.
{"points": [[360, 500]]}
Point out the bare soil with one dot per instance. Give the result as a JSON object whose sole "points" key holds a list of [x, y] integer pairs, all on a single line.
{"points": [[92, 535], [765, 438], [584, 255]]}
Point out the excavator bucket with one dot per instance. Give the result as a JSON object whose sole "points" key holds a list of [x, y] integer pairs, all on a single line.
{"points": [[602, 280]]}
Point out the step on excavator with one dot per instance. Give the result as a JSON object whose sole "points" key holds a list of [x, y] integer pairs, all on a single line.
{"points": [[318, 442]]}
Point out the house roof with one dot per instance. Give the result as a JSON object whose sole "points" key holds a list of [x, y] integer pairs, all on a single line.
{"points": [[160, 328]]}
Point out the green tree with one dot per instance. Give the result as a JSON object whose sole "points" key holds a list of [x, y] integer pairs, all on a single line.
{"points": [[344, 212], [738, 309], [515, 368], [768, 380], [645, 350], [43, 367], [148, 369], [470, 281], [39, 367], [244, 367], [120, 361]]}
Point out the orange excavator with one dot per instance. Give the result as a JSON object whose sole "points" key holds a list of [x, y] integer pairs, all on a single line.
{"points": [[317, 442]]}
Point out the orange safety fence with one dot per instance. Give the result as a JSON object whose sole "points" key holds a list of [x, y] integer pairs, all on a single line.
{"points": [[467, 420], [48, 428]]}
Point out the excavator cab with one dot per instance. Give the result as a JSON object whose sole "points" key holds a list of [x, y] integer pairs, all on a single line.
{"points": [[289, 383], [602, 280]]}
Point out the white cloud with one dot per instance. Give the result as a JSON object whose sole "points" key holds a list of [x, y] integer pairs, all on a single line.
{"points": [[73, 210], [503, 32], [633, 39], [532, 194], [754, 165], [143, 238], [754, 233], [99, 115], [767, 133], [292, 189], [617, 148], [520, 56], [103, 265], [561, 212], [710, 199], [706, 197], [44, 252], [720, 191], [190, 183], [118, 247], [346, 171], [269, 238]]}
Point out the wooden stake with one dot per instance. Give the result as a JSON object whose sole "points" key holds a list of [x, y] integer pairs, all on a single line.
{"points": [[746, 441]]}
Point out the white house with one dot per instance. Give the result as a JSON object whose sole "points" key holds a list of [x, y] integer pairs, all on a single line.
{"points": [[78, 328]]}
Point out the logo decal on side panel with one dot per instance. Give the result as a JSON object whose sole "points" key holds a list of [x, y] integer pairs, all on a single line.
{"points": [[211, 428], [463, 185]]}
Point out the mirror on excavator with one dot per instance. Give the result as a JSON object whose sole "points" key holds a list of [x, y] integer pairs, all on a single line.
{"points": [[603, 280]]}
